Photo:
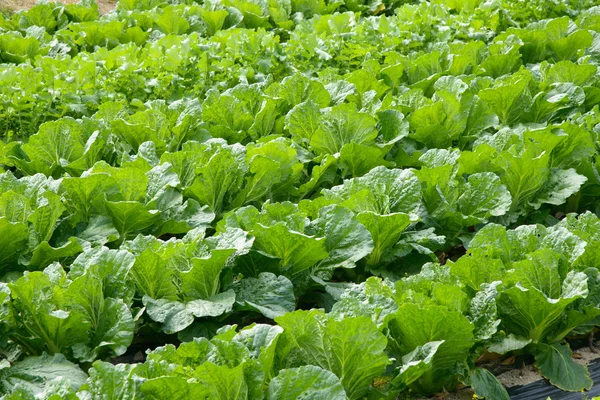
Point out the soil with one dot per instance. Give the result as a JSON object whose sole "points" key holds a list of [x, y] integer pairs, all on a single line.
{"points": [[104, 6], [518, 377], [585, 355]]}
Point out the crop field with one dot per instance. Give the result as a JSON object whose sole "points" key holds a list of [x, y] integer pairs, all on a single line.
{"points": [[297, 199]]}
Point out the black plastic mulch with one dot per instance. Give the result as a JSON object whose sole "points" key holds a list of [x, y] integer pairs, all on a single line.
{"points": [[541, 390]]}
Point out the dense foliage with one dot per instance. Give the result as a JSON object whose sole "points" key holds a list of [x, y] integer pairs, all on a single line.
{"points": [[296, 199]]}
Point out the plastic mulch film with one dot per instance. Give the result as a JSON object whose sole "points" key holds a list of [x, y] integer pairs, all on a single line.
{"points": [[542, 390]]}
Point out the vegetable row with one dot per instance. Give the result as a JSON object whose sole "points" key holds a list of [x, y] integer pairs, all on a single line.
{"points": [[522, 289]]}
